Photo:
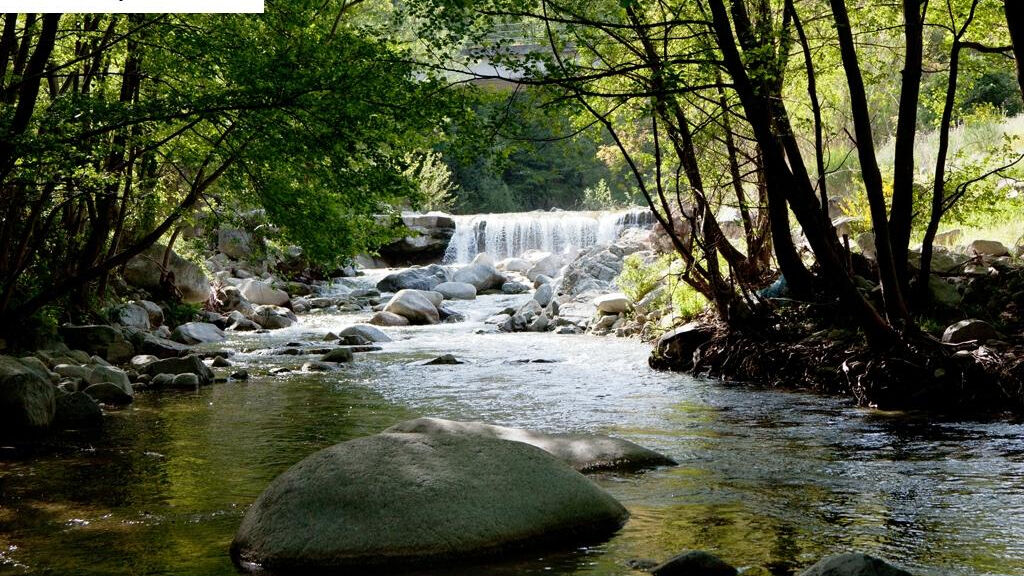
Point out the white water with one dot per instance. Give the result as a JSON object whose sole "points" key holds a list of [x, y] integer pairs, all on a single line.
{"points": [[510, 235]]}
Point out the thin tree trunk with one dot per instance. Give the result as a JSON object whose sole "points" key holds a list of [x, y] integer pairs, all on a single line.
{"points": [[1014, 10]]}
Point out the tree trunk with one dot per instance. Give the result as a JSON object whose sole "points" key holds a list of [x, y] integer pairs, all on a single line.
{"points": [[1014, 10]]}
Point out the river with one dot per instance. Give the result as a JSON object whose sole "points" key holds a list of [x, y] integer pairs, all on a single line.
{"points": [[765, 478]]}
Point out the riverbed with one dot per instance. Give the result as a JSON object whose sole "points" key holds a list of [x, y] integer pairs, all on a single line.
{"points": [[768, 478]]}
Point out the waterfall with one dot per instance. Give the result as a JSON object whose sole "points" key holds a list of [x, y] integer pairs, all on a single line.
{"points": [[509, 235]]}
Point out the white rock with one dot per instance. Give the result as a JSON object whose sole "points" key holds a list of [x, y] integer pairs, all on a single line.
{"points": [[615, 303], [260, 293]]}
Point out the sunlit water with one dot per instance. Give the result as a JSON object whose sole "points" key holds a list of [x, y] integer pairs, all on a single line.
{"points": [[765, 478]]}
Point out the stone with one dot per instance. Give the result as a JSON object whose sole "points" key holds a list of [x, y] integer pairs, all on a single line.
{"points": [[393, 501], [337, 355], [456, 290], [415, 278], [481, 274], [197, 333], [185, 381], [428, 238], [318, 367], [234, 242], [544, 294], [141, 361], [949, 238], [989, 248], [853, 564], [131, 315], [943, 293], [583, 452], [521, 265], [27, 400], [104, 341], [220, 362], [115, 376], [498, 319], [190, 364], [442, 360], [260, 293], [155, 312], [694, 563], [159, 381], [230, 298], [109, 393], [154, 345], [576, 313], [273, 317], [40, 368], [240, 323], [970, 330], [367, 332], [550, 266], [240, 375], [414, 305], [541, 280], [77, 410], [144, 271], [676, 349], [514, 288], [383, 318], [615, 303], [72, 371]]}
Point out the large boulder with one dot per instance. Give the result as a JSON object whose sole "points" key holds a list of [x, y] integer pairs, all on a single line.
{"points": [[27, 400], [694, 563], [584, 452], [143, 271], [414, 278], [190, 364], [132, 316], [146, 343], [383, 318], [853, 564], [100, 340], [197, 333], [415, 306], [992, 248], [429, 235], [456, 290], [234, 242], [153, 310], [393, 501], [273, 317], [370, 333], [615, 303], [969, 330], [77, 410], [544, 294], [109, 393], [481, 273], [116, 376], [259, 292], [676, 349], [550, 265]]}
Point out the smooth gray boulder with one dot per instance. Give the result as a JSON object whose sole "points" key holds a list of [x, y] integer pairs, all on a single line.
{"points": [[694, 563], [131, 315], [197, 333], [383, 318], [109, 393], [456, 290], [234, 242], [416, 306], [614, 303], [337, 355], [414, 278], [77, 410], [143, 271], [514, 288], [392, 501], [969, 330], [273, 317], [104, 341], [365, 331], [115, 376], [27, 400], [190, 364], [481, 273], [544, 294], [153, 310], [989, 248], [853, 564], [584, 452], [259, 292]]}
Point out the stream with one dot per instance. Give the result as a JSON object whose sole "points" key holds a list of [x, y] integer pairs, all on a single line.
{"points": [[769, 478]]}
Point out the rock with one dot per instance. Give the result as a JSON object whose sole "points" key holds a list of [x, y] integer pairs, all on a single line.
{"points": [[539, 324], [497, 319], [480, 273], [197, 333], [550, 266], [130, 315], [595, 270], [514, 288], [392, 501], [970, 330], [234, 242], [160, 347], [989, 248], [240, 375], [428, 238], [584, 452], [160, 381], [220, 362], [367, 332], [185, 381], [260, 293], [109, 393], [37, 366], [544, 294], [72, 371], [141, 361], [388, 319], [103, 341], [694, 563], [515, 265], [318, 367], [143, 271], [456, 290], [576, 313], [337, 355], [77, 410], [541, 280], [414, 278], [273, 317], [27, 400], [153, 310], [442, 360], [190, 364], [115, 376], [240, 323], [615, 303], [414, 305], [853, 564], [230, 298], [675, 350], [943, 293]]}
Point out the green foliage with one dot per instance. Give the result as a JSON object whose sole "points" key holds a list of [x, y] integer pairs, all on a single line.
{"points": [[433, 180], [177, 313], [638, 279]]}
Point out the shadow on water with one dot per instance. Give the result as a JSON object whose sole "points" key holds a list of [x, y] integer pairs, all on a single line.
{"points": [[765, 478]]}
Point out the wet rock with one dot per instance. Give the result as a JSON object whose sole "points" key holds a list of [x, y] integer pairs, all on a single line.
{"points": [[190, 364], [615, 303], [104, 341], [144, 271], [584, 452], [675, 350], [273, 317], [481, 273], [404, 500], [414, 278], [185, 382], [694, 563], [260, 293], [428, 239], [514, 288], [109, 393], [515, 265], [27, 400], [72, 371], [352, 340], [414, 305], [442, 360], [240, 375], [337, 355], [220, 362], [641, 564], [229, 298], [77, 410], [449, 316], [318, 367], [160, 381], [498, 319], [197, 333], [544, 294], [115, 376], [131, 315], [549, 265], [279, 370], [384, 318], [853, 564], [456, 290], [970, 330], [989, 248], [154, 345], [367, 332]]}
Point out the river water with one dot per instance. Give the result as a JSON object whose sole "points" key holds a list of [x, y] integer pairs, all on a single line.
{"points": [[765, 478]]}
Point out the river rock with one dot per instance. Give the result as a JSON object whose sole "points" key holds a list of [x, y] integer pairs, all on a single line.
{"points": [[694, 563], [428, 239], [273, 317], [541, 280], [337, 355], [578, 314], [676, 349], [367, 332], [72, 371], [544, 294], [992, 248], [481, 273], [141, 361], [230, 298], [109, 393], [116, 376], [131, 315], [383, 318], [584, 452], [968, 330], [239, 323], [77, 410], [414, 305], [143, 271], [514, 288], [615, 303], [27, 400], [104, 341], [456, 290], [318, 367], [415, 278], [153, 310], [234, 242], [515, 265], [259, 292], [40, 368], [190, 364], [197, 333], [549, 265], [157, 346], [853, 564], [392, 501], [185, 381]]}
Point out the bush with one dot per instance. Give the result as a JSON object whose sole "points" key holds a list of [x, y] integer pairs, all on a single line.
{"points": [[639, 279]]}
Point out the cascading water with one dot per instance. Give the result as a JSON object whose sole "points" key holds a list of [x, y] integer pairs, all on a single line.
{"points": [[512, 234]]}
